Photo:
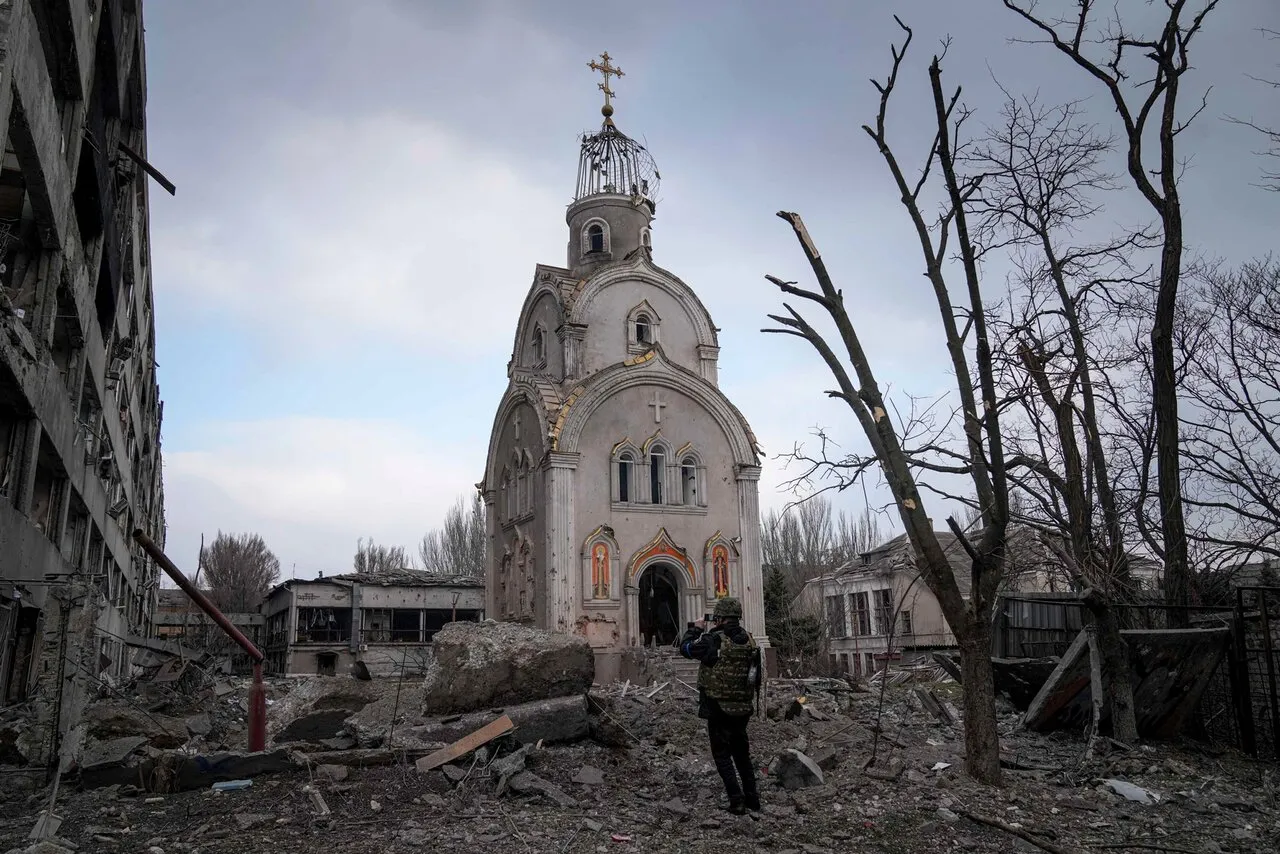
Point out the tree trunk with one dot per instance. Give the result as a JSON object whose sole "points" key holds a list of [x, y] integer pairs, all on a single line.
{"points": [[981, 741], [1117, 676]]}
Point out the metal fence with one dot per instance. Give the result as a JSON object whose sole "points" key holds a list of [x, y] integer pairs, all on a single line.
{"points": [[1257, 635], [1240, 706]]}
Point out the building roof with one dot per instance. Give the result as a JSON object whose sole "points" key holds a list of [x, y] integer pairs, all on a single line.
{"points": [[386, 578]]}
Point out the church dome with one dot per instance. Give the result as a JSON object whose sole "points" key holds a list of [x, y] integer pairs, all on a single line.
{"points": [[612, 163]]}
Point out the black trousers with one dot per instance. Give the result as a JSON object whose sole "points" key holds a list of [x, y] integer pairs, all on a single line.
{"points": [[732, 753]]}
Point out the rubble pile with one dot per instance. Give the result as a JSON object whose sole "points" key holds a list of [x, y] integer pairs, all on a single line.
{"points": [[626, 767]]}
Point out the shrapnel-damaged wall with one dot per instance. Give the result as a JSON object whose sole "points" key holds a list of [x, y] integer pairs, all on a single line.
{"points": [[80, 411]]}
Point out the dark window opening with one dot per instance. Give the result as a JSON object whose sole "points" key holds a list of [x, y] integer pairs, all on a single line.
{"points": [[87, 197], [657, 466], [595, 238], [438, 618], [105, 301], [539, 346], [644, 329], [324, 625], [625, 463], [689, 481]]}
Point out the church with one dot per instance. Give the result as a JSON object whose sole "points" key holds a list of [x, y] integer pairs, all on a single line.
{"points": [[621, 484]]}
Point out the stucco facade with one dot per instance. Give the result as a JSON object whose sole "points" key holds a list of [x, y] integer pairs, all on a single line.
{"points": [[621, 483]]}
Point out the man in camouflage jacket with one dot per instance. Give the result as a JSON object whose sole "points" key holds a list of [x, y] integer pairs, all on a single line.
{"points": [[728, 679]]}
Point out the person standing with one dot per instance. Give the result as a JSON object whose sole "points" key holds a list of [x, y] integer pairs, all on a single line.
{"points": [[728, 682]]}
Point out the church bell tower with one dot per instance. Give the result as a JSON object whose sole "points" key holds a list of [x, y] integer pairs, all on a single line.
{"points": [[616, 196]]}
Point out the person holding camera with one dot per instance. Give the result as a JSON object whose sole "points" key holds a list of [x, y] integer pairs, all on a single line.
{"points": [[728, 682]]}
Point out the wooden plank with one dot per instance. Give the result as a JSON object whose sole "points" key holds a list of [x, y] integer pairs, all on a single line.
{"points": [[466, 744]]}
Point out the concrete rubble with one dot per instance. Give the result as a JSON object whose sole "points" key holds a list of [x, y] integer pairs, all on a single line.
{"points": [[626, 766]]}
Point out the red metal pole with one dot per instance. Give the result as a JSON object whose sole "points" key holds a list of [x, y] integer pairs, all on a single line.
{"points": [[257, 695]]}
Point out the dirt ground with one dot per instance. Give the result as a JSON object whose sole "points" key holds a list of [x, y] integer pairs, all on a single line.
{"points": [[659, 793]]}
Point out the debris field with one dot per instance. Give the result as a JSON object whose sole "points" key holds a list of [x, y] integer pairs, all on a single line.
{"points": [[376, 766]]}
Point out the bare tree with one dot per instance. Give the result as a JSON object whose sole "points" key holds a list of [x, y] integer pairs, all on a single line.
{"points": [[1041, 169], [372, 558], [238, 569], [1152, 102], [1231, 347], [458, 547], [855, 535], [980, 455], [1269, 133]]}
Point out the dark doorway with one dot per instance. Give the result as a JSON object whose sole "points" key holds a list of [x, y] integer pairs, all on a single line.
{"points": [[24, 645], [326, 663], [659, 606]]}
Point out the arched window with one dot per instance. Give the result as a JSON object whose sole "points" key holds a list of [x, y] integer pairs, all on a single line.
{"points": [[644, 329], [646, 240], [625, 464], [595, 237], [689, 481], [539, 345], [657, 471]]}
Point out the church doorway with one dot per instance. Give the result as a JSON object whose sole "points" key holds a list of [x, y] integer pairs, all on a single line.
{"points": [[659, 606]]}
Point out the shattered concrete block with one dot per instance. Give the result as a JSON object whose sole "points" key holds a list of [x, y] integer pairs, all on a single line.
{"points": [[333, 773], [482, 665], [112, 719], [794, 770], [526, 782], [199, 724]]}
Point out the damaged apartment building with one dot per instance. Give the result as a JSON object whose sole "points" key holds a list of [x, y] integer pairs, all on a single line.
{"points": [[365, 623], [80, 410]]}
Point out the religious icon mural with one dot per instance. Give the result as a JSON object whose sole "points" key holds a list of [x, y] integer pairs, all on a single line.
{"points": [[600, 571], [720, 570]]}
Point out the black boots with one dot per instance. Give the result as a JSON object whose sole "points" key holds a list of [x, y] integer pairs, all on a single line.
{"points": [[751, 801]]}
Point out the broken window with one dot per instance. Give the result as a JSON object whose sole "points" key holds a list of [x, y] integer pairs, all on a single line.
{"points": [[657, 470], [392, 625], [644, 329], [836, 625], [905, 624], [861, 615], [324, 625], [437, 618], [595, 237], [539, 346], [884, 610]]}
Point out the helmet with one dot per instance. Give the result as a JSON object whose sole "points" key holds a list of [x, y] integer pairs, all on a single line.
{"points": [[728, 607]]}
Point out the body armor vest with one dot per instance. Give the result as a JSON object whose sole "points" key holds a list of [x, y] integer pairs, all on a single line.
{"points": [[728, 680]]}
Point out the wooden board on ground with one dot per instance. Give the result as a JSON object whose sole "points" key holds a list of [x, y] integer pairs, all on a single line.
{"points": [[466, 744]]}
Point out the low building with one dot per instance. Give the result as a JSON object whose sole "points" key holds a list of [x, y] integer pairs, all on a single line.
{"points": [[877, 607], [179, 619], [385, 620]]}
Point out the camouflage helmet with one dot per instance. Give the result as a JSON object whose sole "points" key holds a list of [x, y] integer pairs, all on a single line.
{"points": [[727, 607]]}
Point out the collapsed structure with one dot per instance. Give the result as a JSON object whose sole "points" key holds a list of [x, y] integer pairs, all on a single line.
{"points": [[80, 409]]}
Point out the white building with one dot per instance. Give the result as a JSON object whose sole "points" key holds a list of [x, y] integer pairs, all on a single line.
{"points": [[621, 483]]}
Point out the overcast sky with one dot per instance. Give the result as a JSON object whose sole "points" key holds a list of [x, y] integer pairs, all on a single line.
{"points": [[364, 189]]}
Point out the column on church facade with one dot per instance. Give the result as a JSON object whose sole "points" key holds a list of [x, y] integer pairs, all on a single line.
{"points": [[749, 558], [493, 610], [562, 552]]}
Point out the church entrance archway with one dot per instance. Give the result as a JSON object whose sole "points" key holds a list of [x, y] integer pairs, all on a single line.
{"points": [[659, 610]]}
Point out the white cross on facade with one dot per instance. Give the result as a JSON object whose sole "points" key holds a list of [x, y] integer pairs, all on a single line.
{"points": [[657, 405]]}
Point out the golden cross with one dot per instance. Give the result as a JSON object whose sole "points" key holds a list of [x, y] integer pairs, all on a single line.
{"points": [[608, 71]]}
